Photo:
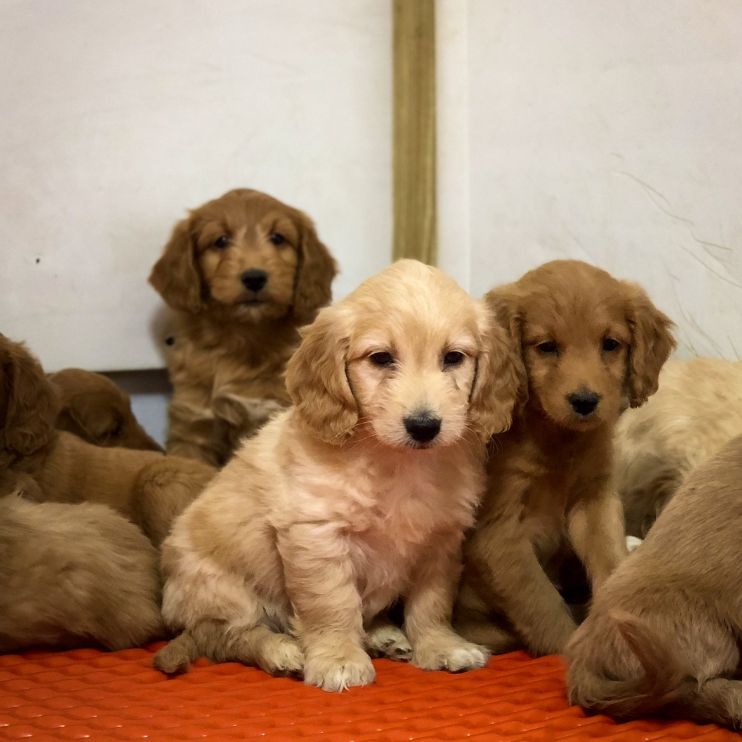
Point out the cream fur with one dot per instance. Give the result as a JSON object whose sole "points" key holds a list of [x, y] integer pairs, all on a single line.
{"points": [[290, 557], [696, 411]]}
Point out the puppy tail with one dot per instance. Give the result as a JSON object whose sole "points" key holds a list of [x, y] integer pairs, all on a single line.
{"points": [[661, 685], [177, 655]]}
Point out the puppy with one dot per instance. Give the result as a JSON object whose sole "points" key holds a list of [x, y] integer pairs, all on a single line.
{"points": [[589, 345], [96, 410], [355, 496], [696, 411], [72, 574], [243, 272], [663, 632], [50, 465]]}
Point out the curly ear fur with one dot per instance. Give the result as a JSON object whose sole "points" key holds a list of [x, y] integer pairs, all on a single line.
{"points": [[175, 275], [29, 405], [505, 312], [498, 383], [315, 272], [651, 343], [317, 382]]}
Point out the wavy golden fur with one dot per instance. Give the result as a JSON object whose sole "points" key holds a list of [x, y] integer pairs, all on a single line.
{"points": [[243, 273], [588, 346], [355, 496], [56, 466]]}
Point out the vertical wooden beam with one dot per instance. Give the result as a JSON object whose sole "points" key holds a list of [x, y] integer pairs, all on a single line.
{"points": [[414, 130]]}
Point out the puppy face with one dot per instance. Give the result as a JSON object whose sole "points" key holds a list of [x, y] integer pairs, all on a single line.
{"points": [[248, 256], [590, 344], [410, 357]]}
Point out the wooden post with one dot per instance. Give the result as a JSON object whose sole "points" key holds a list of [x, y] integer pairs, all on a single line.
{"points": [[414, 130]]}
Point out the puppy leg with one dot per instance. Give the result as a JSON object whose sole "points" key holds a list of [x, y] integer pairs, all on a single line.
{"points": [[428, 608], [162, 491], [191, 432], [596, 530], [321, 585], [384, 639], [473, 621], [506, 564]]}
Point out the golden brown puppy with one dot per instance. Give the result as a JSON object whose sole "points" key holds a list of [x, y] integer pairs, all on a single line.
{"points": [[663, 632], [589, 346], [243, 272], [696, 411], [355, 496], [75, 574], [98, 411], [55, 466]]}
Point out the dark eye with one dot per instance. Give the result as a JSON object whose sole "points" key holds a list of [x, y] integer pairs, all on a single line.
{"points": [[453, 358], [277, 239], [381, 359], [548, 348], [610, 344], [221, 242]]}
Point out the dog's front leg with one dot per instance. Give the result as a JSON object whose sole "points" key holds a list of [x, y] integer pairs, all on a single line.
{"points": [[503, 559], [428, 609], [596, 529], [321, 587]]}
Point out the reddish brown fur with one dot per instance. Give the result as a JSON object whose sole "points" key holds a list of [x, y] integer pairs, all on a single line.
{"points": [[663, 632], [550, 473], [96, 410], [50, 465], [229, 353]]}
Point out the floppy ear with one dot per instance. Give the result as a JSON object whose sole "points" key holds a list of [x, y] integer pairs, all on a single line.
{"points": [[499, 383], [505, 311], [651, 343], [314, 274], [29, 403], [91, 416], [317, 382], [175, 275]]}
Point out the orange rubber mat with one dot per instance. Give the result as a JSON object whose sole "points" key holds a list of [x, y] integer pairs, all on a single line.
{"points": [[92, 695]]}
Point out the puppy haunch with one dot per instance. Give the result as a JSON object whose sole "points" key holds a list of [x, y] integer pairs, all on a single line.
{"points": [[357, 495], [663, 632]]}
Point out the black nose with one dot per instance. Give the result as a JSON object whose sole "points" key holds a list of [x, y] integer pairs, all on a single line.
{"points": [[584, 402], [422, 426], [254, 279]]}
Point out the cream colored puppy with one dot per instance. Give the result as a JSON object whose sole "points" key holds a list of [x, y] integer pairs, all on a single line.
{"points": [[697, 410], [357, 495]]}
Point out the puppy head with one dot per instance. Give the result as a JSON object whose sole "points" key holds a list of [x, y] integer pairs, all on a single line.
{"points": [[28, 403], [247, 257], [410, 358], [96, 410], [589, 343]]}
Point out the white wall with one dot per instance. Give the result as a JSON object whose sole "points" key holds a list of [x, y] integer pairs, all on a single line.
{"points": [[117, 116], [603, 130]]}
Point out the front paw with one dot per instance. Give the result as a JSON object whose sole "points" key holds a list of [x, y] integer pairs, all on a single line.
{"points": [[389, 641], [449, 652], [338, 668]]}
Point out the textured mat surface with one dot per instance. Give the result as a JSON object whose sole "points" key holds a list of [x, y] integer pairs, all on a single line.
{"points": [[86, 694]]}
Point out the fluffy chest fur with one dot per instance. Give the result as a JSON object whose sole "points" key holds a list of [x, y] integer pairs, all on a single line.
{"points": [[385, 507]]}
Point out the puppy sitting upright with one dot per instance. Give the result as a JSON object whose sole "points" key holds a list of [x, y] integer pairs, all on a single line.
{"points": [[355, 496], [243, 272], [590, 345]]}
